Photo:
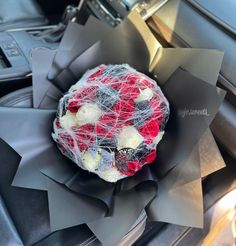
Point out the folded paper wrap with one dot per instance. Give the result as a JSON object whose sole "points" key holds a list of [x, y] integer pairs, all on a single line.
{"points": [[168, 189]]}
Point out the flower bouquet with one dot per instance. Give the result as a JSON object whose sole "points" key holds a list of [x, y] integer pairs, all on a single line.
{"points": [[91, 139]]}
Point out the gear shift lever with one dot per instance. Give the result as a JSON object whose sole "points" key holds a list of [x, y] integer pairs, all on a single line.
{"points": [[77, 14]]}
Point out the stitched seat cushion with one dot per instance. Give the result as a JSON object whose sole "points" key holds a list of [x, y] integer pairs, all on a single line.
{"points": [[20, 14], [22, 98]]}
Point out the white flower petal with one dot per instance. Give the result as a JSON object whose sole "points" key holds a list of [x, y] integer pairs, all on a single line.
{"points": [[88, 113], [144, 95], [68, 120], [159, 137], [91, 160], [111, 175], [129, 138]]}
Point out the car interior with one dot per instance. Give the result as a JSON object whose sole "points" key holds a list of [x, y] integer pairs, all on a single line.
{"points": [[26, 25]]}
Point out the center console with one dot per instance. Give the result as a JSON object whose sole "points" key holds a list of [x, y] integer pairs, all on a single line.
{"points": [[16, 46], [16, 49], [16, 53]]}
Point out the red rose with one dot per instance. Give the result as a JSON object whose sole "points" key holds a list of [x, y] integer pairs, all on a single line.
{"points": [[113, 82], [67, 140], [129, 92], [144, 83], [80, 97], [88, 93], [97, 73], [132, 168], [150, 157], [129, 78], [57, 123], [157, 109], [85, 136], [125, 84], [125, 109], [149, 130], [73, 106], [107, 80], [108, 125]]}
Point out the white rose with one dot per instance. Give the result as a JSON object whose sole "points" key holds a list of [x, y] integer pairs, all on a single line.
{"points": [[144, 95], [111, 175], [91, 160], [68, 120], [88, 113], [129, 138]]}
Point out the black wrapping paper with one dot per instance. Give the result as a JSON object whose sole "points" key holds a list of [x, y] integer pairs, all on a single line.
{"points": [[32, 142], [43, 153], [72, 46], [76, 209], [27, 220], [90, 46], [70, 75], [127, 207], [186, 94], [8, 231], [179, 198], [42, 156], [45, 94], [211, 159], [66, 173], [27, 209], [175, 177], [202, 63], [125, 43], [81, 182]]}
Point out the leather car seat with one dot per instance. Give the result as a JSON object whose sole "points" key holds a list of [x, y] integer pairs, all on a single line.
{"points": [[20, 14], [22, 98], [210, 25]]}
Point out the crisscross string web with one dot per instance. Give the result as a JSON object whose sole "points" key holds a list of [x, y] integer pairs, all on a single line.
{"points": [[111, 120]]}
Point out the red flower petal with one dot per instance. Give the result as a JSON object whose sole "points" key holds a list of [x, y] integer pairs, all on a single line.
{"points": [[108, 125], [80, 97], [57, 123], [129, 79], [88, 93], [73, 106], [144, 83], [125, 109], [157, 110], [113, 82], [97, 73], [85, 136], [132, 168], [129, 92], [150, 130], [67, 141], [150, 157]]}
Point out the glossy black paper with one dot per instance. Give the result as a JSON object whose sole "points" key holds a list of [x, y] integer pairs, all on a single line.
{"points": [[24, 214], [194, 104], [43, 156], [45, 94], [179, 198], [46, 159], [111, 209], [26, 209], [127, 47], [31, 139]]}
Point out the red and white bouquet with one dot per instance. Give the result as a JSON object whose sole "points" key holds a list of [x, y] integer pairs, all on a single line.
{"points": [[111, 121]]}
